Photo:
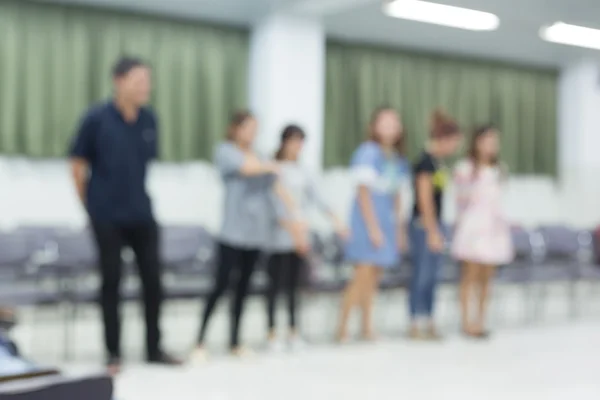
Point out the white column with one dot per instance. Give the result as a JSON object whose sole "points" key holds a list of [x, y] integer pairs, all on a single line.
{"points": [[287, 81], [579, 141]]}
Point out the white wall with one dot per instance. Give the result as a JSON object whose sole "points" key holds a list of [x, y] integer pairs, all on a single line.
{"points": [[579, 141], [35, 192], [287, 81]]}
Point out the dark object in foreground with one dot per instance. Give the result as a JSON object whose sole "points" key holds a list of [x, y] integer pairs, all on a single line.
{"points": [[57, 387]]}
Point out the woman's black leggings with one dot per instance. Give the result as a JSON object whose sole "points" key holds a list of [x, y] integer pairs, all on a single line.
{"points": [[241, 263], [284, 272]]}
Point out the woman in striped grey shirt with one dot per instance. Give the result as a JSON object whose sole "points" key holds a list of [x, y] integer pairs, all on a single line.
{"points": [[249, 216], [290, 242]]}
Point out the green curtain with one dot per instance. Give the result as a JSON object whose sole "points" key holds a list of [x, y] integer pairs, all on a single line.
{"points": [[55, 61], [521, 102]]}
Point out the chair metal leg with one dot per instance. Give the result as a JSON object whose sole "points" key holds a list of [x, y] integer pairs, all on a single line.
{"points": [[70, 311], [540, 301], [528, 303], [572, 287]]}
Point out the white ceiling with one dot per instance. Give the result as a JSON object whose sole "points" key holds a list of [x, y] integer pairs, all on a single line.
{"points": [[516, 40]]}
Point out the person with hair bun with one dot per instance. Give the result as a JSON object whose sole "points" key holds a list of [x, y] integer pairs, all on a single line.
{"points": [[426, 237], [377, 229], [482, 236]]}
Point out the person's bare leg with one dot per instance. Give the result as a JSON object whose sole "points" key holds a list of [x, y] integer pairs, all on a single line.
{"points": [[372, 278], [469, 278], [351, 298], [486, 276]]}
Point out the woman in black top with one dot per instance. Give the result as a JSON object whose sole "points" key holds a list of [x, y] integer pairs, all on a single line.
{"points": [[426, 238]]}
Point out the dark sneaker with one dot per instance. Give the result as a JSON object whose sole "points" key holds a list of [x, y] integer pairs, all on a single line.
{"points": [[113, 365], [162, 358]]}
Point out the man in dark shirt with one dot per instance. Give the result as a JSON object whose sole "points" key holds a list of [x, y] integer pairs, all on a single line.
{"points": [[109, 157]]}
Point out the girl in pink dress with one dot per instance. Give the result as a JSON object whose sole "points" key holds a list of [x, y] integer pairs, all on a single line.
{"points": [[482, 238]]}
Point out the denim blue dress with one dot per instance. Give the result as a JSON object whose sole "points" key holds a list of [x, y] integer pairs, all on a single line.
{"points": [[383, 176]]}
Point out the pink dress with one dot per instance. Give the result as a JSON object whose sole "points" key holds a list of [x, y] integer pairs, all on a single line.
{"points": [[482, 233]]}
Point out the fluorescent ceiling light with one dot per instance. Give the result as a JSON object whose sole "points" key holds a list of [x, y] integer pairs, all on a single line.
{"points": [[441, 14], [571, 35]]}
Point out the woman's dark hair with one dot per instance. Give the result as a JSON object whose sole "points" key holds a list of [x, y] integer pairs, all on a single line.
{"points": [[237, 119], [372, 134], [473, 153], [289, 132], [477, 134], [442, 125]]}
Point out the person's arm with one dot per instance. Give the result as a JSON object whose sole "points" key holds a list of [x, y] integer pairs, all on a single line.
{"points": [[367, 210], [231, 160], [151, 134], [366, 175], [81, 154], [252, 166], [79, 173], [463, 179], [400, 225], [425, 201], [290, 206], [404, 172], [287, 216]]}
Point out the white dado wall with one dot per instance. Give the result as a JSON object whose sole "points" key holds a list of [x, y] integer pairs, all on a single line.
{"points": [[41, 193], [579, 140]]}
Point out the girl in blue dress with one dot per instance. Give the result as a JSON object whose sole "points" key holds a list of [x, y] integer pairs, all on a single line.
{"points": [[377, 228]]}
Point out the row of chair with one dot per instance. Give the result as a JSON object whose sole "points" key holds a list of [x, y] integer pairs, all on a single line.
{"points": [[53, 265], [44, 265]]}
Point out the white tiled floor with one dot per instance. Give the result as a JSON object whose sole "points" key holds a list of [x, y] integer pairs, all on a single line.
{"points": [[553, 358], [547, 364]]}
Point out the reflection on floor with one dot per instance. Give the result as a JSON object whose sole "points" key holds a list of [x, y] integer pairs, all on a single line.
{"points": [[556, 357]]}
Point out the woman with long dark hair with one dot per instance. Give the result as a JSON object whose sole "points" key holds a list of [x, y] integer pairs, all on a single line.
{"points": [[247, 222], [377, 228], [290, 243], [426, 236], [482, 237]]}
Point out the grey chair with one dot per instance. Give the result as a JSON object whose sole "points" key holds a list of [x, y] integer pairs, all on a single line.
{"points": [[15, 288], [323, 276], [74, 260], [325, 264], [563, 248], [590, 270], [14, 254], [42, 245], [589, 267], [188, 255], [184, 250], [519, 272]]}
